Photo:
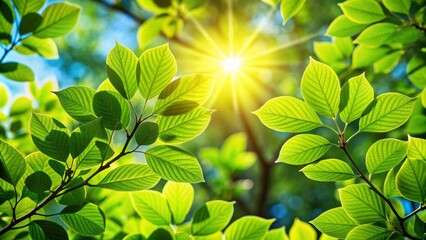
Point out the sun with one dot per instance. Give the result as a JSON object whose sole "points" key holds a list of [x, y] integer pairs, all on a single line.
{"points": [[231, 64]]}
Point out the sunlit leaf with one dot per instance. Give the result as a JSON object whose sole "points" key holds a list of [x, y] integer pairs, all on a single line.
{"points": [[362, 11], [369, 232], [113, 109], [20, 106], [17, 72], [416, 148], [86, 220], [387, 112], [301, 230], [174, 164], [77, 101], [377, 34], [328, 170], [303, 148], [157, 68], [362, 204], [334, 222], [150, 29], [416, 70], [42, 229], [84, 135], [411, 180], [146, 133], [389, 188], [179, 196], [58, 20], [135, 236], [399, 6], [4, 93], [27, 6], [152, 206], [321, 88], [94, 154], [288, 114], [45, 47], [289, 8], [364, 56], [212, 217], [12, 164], [343, 27], [248, 227], [276, 234], [385, 154], [387, 63], [130, 177], [75, 197]]}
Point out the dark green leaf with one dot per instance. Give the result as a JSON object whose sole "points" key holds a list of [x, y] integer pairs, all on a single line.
{"points": [[75, 197], [84, 135], [17, 72], [27, 6], [147, 133], [6, 11], [42, 229], [29, 23], [113, 109], [38, 182]]}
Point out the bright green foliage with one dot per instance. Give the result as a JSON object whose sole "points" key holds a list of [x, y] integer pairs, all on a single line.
{"points": [[17, 72], [20, 105], [179, 197], [362, 204], [300, 117], [12, 164], [411, 180], [416, 148], [362, 11], [44, 47], [41, 229], [369, 232], [4, 96], [303, 149], [146, 133], [289, 8], [301, 230], [76, 197], [334, 222], [399, 6], [276, 234], [27, 6], [77, 102], [385, 154], [343, 27], [389, 188], [87, 220], [212, 217], [130, 177], [86, 134], [328, 170], [248, 227], [113, 109], [377, 34], [152, 206]]}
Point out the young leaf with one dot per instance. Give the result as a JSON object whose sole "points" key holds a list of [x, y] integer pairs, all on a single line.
{"points": [[387, 63], [387, 112], [355, 96], [86, 220], [147, 133], [328, 170], [50, 136], [158, 66], [369, 232], [301, 230], [343, 27], [321, 88], [416, 148], [113, 109], [27, 6], [58, 20], [212, 217], [184, 127], [303, 148], [389, 188], [38, 182], [130, 177], [77, 102], [45, 47], [17, 72], [334, 222], [12, 164], [288, 114], [385, 154], [362, 204], [29, 23], [121, 69], [276, 234], [174, 164], [411, 180], [399, 6], [289, 8], [248, 227], [377, 34], [179, 197], [362, 11], [184, 94], [42, 229], [152, 206]]}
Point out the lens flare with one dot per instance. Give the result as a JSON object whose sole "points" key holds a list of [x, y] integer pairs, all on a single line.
{"points": [[231, 64]]}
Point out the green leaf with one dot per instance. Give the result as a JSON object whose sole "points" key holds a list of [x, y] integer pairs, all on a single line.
{"points": [[334, 222], [343, 27], [355, 96], [288, 114], [364, 56], [303, 148], [75, 197], [121, 69], [329, 170], [17, 72], [136, 236], [248, 227], [58, 20], [377, 34], [94, 154], [41, 229], [344, 45], [86, 220], [362, 11], [152, 206], [276, 234], [174, 164], [45, 47], [4, 93], [6, 11], [369, 232], [130, 177], [29, 23], [411, 180], [399, 6], [327, 52], [77, 102], [387, 112], [321, 88], [301, 230], [416, 70], [212, 217], [416, 148], [184, 127], [387, 63], [84, 135], [289, 8], [147, 133], [38, 182], [37, 161], [27, 6], [179, 196], [158, 66], [20, 106], [389, 188], [422, 95], [150, 29], [12, 164], [50, 136], [385, 154], [113, 109], [184, 94], [362, 204]]}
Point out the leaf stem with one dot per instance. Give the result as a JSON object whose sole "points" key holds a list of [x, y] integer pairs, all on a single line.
{"points": [[353, 135], [332, 129]]}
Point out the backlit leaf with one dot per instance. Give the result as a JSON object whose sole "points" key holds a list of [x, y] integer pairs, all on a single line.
{"points": [[75, 197], [12, 164], [289, 8], [343, 27], [389, 188], [86, 220], [113, 109], [399, 6], [416, 148], [17, 72], [42, 229], [411, 180], [248, 227], [328, 170], [152, 206], [385, 154], [146, 133], [377, 34], [45, 47], [179, 196], [27, 6], [334, 222], [77, 101], [416, 70], [301, 230], [212, 217], [84, 135], [150, 29], [38, 182], [276, 234], [369, 232], [362, 11], [364, 56]]}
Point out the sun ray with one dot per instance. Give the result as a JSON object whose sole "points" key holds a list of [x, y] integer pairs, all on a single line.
{"points": [[230, 28]]}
